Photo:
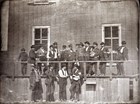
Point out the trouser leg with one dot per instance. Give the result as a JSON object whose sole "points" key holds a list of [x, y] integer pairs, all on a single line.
{"points": [[95, 68], [72, 91], [60, 91], [122, 69], [119, 68], [104, 68]]}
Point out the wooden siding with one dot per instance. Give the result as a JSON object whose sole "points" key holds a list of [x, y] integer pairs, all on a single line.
{"points": [[115, 90]]}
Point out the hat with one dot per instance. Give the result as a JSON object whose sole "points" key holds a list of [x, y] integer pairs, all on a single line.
{"points": [[64, 65], [70, 45], [55, 43], [95, 43], [102, 43], [64, 46], [33, 46], [81, 44], [123, 42], [23, 49], [87, 42]]}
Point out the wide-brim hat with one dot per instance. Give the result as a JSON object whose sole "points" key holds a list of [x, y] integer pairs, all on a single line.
{"points": [[102, 43]]}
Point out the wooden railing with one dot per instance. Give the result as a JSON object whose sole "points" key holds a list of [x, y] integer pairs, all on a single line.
{"points": [[110, 64]]}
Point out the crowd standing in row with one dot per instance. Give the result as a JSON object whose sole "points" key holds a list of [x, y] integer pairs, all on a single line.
{"points": [[73, 70]]}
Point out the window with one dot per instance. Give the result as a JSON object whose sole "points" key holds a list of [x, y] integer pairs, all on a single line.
{"points": [[41, 36], [112, 37]]}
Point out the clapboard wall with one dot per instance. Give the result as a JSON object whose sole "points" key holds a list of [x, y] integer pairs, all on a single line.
{"points": [[115, 90]]}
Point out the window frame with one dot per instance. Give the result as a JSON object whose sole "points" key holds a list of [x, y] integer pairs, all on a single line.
{"points": [[110, 25], [41, 27]]}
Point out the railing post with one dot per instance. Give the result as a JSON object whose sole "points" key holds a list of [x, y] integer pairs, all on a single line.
{"points": [[59, 65], [85, 77]]}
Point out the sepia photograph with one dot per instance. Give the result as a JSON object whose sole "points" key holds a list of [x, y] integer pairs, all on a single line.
{"points": [[69, 52]]}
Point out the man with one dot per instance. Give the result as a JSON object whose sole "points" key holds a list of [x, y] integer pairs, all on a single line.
{"points": [[55, 49], [103, 56], [71, 56], [75, 88], [41, 53], [50, 87], [63, 75], [80, 56], [87, 49], [94, 56], [32, 55], [63, 53], [36, 84], [122, 55], [23, 57]]}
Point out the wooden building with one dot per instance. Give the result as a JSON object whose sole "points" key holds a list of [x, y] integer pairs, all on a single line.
{"points": [[29, 22]]}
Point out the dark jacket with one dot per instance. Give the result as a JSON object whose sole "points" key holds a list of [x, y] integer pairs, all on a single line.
{"points": [[122, 55], [50, 77], [104, 54], [80, 54], [71, 55], [23, 56], [63, 55], [87, 53], [32, 57], [94, 54]]}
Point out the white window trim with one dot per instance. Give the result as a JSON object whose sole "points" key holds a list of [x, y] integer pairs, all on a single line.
{"points": [[33, 35], [119, 25]]}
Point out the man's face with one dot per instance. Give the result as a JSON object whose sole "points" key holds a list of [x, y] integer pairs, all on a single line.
{"points": [[102, 45], [94, 45], [86, 45], [51, 68], [33, 48]]}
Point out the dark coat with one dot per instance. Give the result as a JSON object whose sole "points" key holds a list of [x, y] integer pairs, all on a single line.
{"points": [[94, 54], [124, 54], [50, 77], [23, 56], [80, 54], [32, 57], [87, 53], [71, 55], [63, 55], [104, 54]]}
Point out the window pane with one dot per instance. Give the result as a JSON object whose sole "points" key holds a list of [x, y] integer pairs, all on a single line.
{"points": [[115, 31], [107, 32], [115, 44], [37, 33], [37, 42], [44, 42], [44, 33], [108, 42]]}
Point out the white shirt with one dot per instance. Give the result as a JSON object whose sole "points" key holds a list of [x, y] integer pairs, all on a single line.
{"points": [[122, 49], [63, 73]]}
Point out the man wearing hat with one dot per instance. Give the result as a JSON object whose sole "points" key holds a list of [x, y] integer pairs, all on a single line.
{"points": [[35, 84], [80, 56], [63, 75], [50, 86], [87, 49], [103, 56], [122, 55], [94, 56], [23, 57], [75, 88], [71, 57], [32, 55]]}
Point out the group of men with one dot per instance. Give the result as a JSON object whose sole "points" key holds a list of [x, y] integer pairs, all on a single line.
{"points": [[84, 52], [76, 79], [70, 67]]}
